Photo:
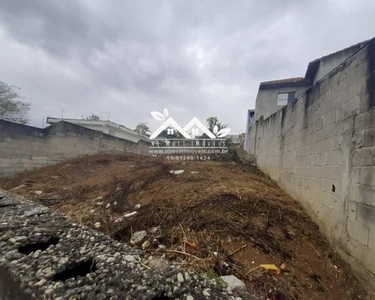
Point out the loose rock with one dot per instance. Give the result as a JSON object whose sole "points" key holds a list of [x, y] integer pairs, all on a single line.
{"points": [[138, 237]]}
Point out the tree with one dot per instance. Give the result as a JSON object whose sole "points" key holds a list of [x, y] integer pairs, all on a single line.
{"points": [[142, 128], [214, 121], [11, 109], [91, 117]]}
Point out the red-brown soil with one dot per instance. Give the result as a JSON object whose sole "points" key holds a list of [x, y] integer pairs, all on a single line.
{"points": [[216, 217]]}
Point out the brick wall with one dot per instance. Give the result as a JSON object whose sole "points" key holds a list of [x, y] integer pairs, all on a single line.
{"points": [[24, 147], [321, 149]]}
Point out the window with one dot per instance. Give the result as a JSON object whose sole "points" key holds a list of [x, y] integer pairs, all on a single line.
{"points": [[285, 98]]}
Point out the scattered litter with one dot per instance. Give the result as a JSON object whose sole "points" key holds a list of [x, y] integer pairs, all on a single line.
{"points": [[138, 206], [115, 203], [128, 215], [97, 225], [138, 237], [119, 220], [177, 172], [108, 205], [38, 192], [194, 172], [270, 267], [146, 244]]}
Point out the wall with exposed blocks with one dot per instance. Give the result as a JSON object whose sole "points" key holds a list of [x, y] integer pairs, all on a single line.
{"points": [[25, 147], [321, 150]]}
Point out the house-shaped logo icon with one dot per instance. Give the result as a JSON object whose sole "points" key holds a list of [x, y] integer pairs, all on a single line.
{"points": [[197, 123], [192, 125], [167, 124]]}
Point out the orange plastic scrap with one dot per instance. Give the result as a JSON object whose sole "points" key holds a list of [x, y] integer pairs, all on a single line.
{"points": [[271, 267]]}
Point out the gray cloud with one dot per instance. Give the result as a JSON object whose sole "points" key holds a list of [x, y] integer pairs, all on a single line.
{"points": [[196, 58]]}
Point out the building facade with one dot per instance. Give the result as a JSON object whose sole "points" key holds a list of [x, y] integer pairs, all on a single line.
{"points": [[107, 127], [276, 94]]}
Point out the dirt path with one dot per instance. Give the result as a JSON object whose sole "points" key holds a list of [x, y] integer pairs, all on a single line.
{"points": [[216, 217]]}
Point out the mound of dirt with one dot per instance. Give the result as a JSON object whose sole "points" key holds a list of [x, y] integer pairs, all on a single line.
{"points": [[218, 218]]}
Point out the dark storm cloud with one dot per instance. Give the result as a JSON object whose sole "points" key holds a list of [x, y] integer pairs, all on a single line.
{"points": [[196, 58]]}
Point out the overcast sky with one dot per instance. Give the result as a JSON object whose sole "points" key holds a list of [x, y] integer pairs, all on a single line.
{"points": [[196, 58]]}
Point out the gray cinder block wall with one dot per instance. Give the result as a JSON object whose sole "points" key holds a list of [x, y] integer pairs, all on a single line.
{"points": [[321, 149], [25, 147]]}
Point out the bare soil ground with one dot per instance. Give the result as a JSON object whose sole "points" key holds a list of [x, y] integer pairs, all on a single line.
{"points": [[219, 218]]}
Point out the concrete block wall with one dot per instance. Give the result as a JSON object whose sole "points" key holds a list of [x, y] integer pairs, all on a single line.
{"points": [[24, 147], [321, 149]]}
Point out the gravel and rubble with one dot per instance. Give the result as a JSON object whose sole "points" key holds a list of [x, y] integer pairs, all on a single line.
{"points": [[50, 257]]}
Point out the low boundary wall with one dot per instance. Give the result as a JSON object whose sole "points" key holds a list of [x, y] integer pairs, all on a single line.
{"points": [[321, 150], [24, 147]]}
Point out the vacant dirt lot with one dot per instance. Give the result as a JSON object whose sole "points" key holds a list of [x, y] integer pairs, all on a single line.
{"points": [[216, 217]]}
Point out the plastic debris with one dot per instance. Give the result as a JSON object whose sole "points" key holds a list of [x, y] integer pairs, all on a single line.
{"points": [[128, 215], [271, 267], [177, 172]]}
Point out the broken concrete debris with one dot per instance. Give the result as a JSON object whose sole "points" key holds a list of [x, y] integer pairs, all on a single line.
{"points": [[138, 237], [234, 283], [45, 265], [158, 264]]}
